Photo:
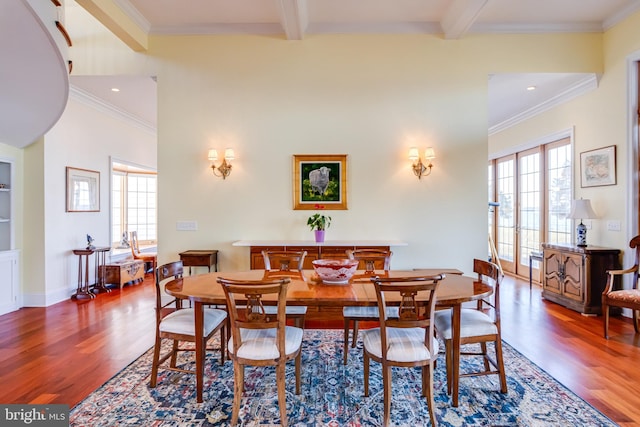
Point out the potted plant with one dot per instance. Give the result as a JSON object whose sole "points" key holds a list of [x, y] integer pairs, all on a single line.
{"points": [[318, 223]]}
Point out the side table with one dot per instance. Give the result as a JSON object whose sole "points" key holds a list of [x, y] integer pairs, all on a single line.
{"points": [[200, 258], [533, 256], [83, 291]]}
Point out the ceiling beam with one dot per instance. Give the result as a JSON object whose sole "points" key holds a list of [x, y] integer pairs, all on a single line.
{"points": [[460, 16], [118, 21], [294, 17]]}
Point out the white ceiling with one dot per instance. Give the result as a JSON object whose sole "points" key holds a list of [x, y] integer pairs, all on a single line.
{"points": [[297, 19]]}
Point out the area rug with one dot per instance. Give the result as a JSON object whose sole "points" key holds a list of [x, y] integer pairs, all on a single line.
{"points": [[332, 395]]}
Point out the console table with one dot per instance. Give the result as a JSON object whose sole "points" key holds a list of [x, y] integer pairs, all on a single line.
{"points": [[200, 258], [83, 290], [327, 249], [575, 276]]}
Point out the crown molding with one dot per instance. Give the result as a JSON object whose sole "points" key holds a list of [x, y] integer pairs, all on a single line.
{"points": [[581, 87], [101, 105], [133, 14]]}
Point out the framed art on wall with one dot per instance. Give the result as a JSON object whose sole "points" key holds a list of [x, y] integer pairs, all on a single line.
{"points": [[83, 190], [319, 181], [598, 167]]}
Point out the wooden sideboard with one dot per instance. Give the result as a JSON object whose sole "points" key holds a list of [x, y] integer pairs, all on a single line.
{"points": [[575, 276], [328, 249]]}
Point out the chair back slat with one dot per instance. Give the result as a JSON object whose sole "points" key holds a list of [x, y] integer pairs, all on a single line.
{"points": [[489, 272], [283, 263], [172, 270], [416, 298], [245, 305], [370, 258]]}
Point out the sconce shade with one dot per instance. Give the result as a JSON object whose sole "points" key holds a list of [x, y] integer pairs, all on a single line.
{"points": [[228, 154], [213, 155], [413, 154], [429, 154], [581, 209]]}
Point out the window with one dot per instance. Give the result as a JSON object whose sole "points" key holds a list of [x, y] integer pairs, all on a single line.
{"points": [[133, 203]]}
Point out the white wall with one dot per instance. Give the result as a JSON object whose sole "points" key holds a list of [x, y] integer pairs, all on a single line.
{"points": [[84, 138]]}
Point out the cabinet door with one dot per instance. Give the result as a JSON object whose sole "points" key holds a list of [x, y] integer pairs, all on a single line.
{"points": [[8, 282], [553, 267], [573, 285]]}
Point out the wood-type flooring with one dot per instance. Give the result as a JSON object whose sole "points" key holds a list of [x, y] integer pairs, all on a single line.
{"points": [[61, 353]]}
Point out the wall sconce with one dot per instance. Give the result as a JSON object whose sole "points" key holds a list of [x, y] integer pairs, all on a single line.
{"points": [[224, 170], [419, 168]]}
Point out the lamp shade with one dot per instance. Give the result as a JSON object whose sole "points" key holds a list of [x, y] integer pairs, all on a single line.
{"points": [[213, 155], [581, 209]]}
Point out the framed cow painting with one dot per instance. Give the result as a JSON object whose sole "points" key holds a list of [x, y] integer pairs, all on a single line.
{"points": [[319, 181]]}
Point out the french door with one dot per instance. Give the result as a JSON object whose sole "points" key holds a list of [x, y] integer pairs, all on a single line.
{"points": [[533, 189]]}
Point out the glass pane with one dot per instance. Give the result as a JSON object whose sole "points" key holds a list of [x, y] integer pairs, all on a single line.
{"points": [[530, 209], [505, 182], [559, 194]]}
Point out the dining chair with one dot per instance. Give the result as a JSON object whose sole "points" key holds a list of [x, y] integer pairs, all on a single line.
{"points": [[623, 298], [286, 264], [478, 325], [178, 324], [369, 260], [259, 338], [407, 341], [147, 257]]}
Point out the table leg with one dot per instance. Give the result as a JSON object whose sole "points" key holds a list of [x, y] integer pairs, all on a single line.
{"points": [[455, 343], [200, 348], [530, 271]]}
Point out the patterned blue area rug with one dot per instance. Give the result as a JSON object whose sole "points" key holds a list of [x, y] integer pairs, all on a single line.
{"points": [[332, 395]]}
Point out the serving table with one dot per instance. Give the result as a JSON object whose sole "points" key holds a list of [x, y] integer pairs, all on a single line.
{"points": [[203, 289]]}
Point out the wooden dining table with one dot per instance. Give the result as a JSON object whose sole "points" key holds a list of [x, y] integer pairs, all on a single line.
{"points": [[203, 289]]}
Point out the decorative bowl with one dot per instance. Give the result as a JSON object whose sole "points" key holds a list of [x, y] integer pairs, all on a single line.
{"points": [[335, 271]]}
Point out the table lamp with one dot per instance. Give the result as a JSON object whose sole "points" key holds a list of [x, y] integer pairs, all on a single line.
{"points": [[581, 209]]}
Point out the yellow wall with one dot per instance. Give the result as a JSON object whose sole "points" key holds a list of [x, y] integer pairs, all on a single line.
{"points": [[368, 96], [598, 119]]}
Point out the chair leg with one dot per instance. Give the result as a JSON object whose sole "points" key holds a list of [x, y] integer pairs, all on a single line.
{"points": [[635, 320], [156, 362], [174, 354], [427, 391], [346, 341], [448, 353], [366, 374], [386, 381], [282, 402], [500, 363], [223, 344], [298, 371], [485, 356], [605, 311], [238, 387], [354, 339]]}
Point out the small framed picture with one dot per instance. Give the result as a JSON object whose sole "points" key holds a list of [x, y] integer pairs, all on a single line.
{"points": [[319, 181], [83, 190], [598, 167]]}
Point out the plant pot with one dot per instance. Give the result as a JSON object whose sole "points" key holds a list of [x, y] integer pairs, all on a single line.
{"points": [[319, 236]]}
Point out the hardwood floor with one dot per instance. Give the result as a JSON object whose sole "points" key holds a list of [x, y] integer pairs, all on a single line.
{"points": [[62, 353]]}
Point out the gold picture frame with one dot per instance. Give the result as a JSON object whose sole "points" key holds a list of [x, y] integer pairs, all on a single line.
{"points": [[319, 181], [598, 167], [83, 190]]}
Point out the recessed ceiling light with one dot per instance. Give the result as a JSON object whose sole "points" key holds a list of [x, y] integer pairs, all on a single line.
{"points": [[115, 89], [531, 88]]}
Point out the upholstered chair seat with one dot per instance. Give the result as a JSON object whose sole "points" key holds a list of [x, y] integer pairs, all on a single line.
{"points": [[403, 344], [183, 321], [626, 295], [472, 323], [260, 344]]}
